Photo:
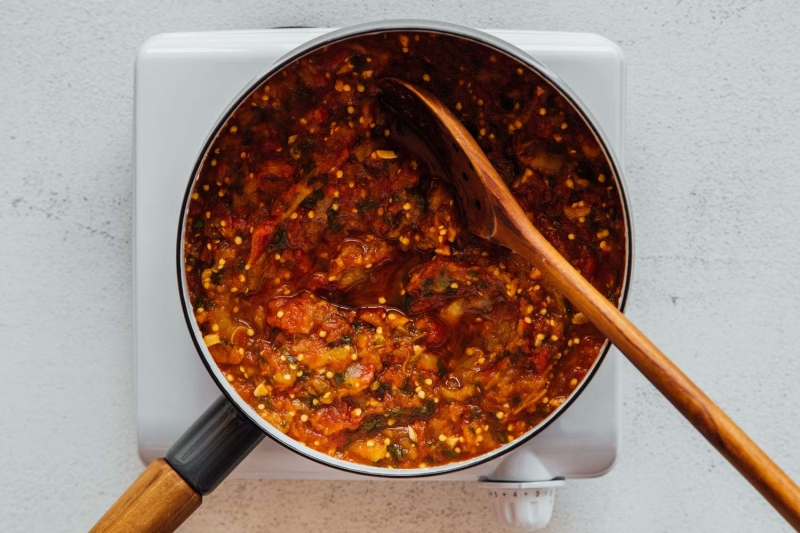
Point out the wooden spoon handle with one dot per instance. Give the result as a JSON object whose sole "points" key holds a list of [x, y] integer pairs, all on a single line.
{"points": [[157, 502], [517, 233]]}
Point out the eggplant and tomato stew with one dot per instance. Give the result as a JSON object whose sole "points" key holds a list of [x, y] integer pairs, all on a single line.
{"points": [[336, 284]]}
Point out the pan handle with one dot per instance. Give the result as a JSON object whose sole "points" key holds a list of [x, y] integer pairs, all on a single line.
{"points": [[171, 489]]}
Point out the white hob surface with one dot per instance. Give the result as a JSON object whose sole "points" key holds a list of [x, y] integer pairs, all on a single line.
{"points": [[183, 83]]}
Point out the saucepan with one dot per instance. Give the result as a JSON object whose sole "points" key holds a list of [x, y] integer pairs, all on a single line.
{"points": [[171, 488]]}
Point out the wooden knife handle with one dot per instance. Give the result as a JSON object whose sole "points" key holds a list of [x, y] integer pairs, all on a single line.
{"points": [[157, 502]]}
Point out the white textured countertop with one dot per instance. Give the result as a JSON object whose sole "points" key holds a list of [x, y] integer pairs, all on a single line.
{"points": [[713, 153]]}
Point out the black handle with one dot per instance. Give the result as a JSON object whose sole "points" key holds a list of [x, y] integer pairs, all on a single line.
{"points": [[213, 446]]}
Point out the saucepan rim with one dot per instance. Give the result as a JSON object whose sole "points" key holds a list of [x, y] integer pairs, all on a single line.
{"points": [[326, 39]]}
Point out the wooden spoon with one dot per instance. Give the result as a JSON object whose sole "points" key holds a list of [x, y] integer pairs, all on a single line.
{"points": [[492, 213]]}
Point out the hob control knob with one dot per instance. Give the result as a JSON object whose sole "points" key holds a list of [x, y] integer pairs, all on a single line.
{"points": [[522, 507]]}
